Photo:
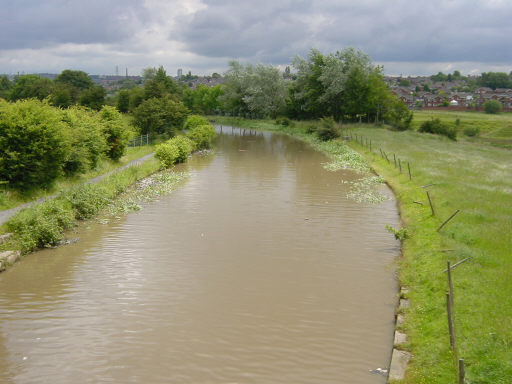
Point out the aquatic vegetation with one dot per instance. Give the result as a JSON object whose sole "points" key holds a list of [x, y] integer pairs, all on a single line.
{"points": [[364, 190]]}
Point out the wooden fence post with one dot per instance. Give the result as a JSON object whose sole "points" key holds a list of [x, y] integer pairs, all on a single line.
{"points": [[431, 205], [448, 219]]}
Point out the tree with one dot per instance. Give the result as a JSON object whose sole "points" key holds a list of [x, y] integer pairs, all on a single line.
{"points": [[160, 115], [404, 83], [93, 97], [258, 91], [492, 106], [123, 100], [202, 99], [159, 85], [31, 86], [5, 86], [77, 79], [495, 80]]}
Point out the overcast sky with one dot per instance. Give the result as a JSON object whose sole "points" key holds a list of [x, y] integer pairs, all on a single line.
{"points": [[407, 37]]}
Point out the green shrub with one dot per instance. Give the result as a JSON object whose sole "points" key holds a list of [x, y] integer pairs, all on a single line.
{"points": [[34, 144], [311, 128], [185, 147], [327, 129], [437, 127], [168, 153], [115, 131], [194, 121], [42, 225], [284, 121], [472, 131], [86, 138], [202, 135], [87, 200], [492, 106]]}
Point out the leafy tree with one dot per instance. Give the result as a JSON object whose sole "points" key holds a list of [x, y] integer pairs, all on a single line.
{"points": [[93, 97], [305, 93], [33, 144], [426, 88], [31, 86], [160, 115], [404, 83], [160, 85], [123, 100], [203, 99], [253, 90], [492, 106], [439, 77], [495, 80], [5, 86], [202, 136], [77, 79], [62, 96]]}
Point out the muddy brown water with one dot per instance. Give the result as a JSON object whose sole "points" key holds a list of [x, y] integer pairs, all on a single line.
{"points": [[257, 269]]}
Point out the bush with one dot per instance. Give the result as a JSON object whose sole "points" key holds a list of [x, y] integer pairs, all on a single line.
{"points": [[87, 200], [472, 131], [194, 121], [185, 147], [202, 135], [42, 225], [168, 153], [33, 144], [115, 131], [160, 115], [492, 106], [437, 127], [327, 129], [284, 121], [86, 138]]}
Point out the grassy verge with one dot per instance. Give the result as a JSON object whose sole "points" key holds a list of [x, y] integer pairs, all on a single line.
{"points": [[45, 224], [10, 198], [478, 181], [495, 130]]}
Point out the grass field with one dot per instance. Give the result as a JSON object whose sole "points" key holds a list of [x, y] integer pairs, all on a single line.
{"points": [[10, 198], [477, 180], [495, 130]]}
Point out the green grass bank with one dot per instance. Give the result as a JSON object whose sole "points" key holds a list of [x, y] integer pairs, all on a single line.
{"points": [[475, 179]]}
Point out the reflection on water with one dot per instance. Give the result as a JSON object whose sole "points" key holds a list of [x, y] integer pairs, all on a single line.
{"points": [[257, 270]]}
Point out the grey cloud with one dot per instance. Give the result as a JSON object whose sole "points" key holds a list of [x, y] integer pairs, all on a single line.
{"points": [[389, 31], [39, 23]]}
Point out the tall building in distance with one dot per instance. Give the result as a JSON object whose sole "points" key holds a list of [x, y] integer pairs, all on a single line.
{"points": [[180, 72]]}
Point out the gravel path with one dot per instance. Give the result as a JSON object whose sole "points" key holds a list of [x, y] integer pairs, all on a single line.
{"points": [[8, 213]]}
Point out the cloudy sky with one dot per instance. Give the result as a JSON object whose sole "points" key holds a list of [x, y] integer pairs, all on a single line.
{"points": [[409, 37]]}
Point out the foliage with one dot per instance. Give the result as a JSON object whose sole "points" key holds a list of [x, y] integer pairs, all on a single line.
{"points": [[471, 131], [193, 121], [5, 86], [33, 143], [158, 84], [345, 85], [398, 115], [327, 129], [93, 97], [202, 136], [160, 115], [404, 83], [185, 147], [123, 100], [203, 99], [31, 86], [168, 154], [116, 132], [76, 79], [495, 80], [284, 121], [400, 234], [258, 91], [438, 127], [87, 141], [42, 225], [87, 200], [492, 106]]}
